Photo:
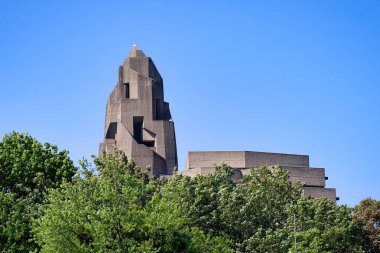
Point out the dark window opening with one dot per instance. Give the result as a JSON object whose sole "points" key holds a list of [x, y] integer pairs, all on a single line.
{"points": [[126, 90], [149, 143], [112, 130], [137, 128]]}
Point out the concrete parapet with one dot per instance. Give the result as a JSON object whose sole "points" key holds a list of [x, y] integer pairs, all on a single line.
{"points": [[313, 179], [254, 158], [318, 192], [244, 159]]}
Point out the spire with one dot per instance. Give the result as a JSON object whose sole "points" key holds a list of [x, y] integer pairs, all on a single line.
{"points": [[136, 52]]}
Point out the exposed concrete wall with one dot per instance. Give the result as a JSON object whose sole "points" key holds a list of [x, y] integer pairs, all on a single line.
{"points": [[316, 192], [298, 166], [204, 159], [264, 158], [138, 120], [244, 159]]}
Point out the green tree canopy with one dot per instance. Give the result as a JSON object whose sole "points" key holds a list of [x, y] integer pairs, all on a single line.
{"points": [[26, 165], [249, 212], [117, 207], [27, 170], [118, 210], [257, 213], [321, 226]]}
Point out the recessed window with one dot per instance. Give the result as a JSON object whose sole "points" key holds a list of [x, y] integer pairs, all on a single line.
{"points": [[126, 90], [138, 128], [149, 143]]}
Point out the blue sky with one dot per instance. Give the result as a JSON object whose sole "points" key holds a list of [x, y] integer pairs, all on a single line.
{"points": [[296, 77]]}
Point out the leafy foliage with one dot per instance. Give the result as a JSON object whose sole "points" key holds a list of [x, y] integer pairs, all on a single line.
{"points": [[119, 210], [323, 226], [254, 212], [367, 213], [257, 213], [27, 170], [248, 212], [15, 223], [117, 207], [26, 165]]}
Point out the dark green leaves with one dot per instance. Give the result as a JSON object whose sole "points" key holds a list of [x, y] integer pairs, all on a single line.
{"points": [[120, 210], [26, 165], [27, 170], [117, 207]]}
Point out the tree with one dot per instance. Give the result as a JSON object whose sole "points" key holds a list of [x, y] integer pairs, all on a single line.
{"points": [[15, 223], [250, 212], [119, 210], [26, 165], [117, 207], [323, 226], [257, 213], [367, 214], [27, 170]]}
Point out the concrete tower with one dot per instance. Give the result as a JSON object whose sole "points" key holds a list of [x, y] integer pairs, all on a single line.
{"points": [[138, 120]]}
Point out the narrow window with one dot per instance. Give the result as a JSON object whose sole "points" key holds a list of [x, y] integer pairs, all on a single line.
{"points": [[126, 90], [137, 128]]}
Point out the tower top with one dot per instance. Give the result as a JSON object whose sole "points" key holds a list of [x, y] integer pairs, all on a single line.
{"points": [[138, 119], [136, 52]]}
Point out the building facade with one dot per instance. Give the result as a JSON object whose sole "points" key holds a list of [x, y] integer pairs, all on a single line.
{"points": [[138, 122], [313, 179]]}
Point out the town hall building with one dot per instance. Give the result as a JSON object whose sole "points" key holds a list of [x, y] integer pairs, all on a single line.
{"points": [[139, 123]]}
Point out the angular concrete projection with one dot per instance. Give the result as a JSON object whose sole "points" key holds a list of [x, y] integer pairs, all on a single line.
{"points": [[138, 120], [313, 179]]}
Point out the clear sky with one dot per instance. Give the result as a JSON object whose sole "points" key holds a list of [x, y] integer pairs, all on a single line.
{"points": [[296, 77]]}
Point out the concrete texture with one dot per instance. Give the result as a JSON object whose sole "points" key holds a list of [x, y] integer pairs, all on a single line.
{"points": [[138, 120], [313, 179]]}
